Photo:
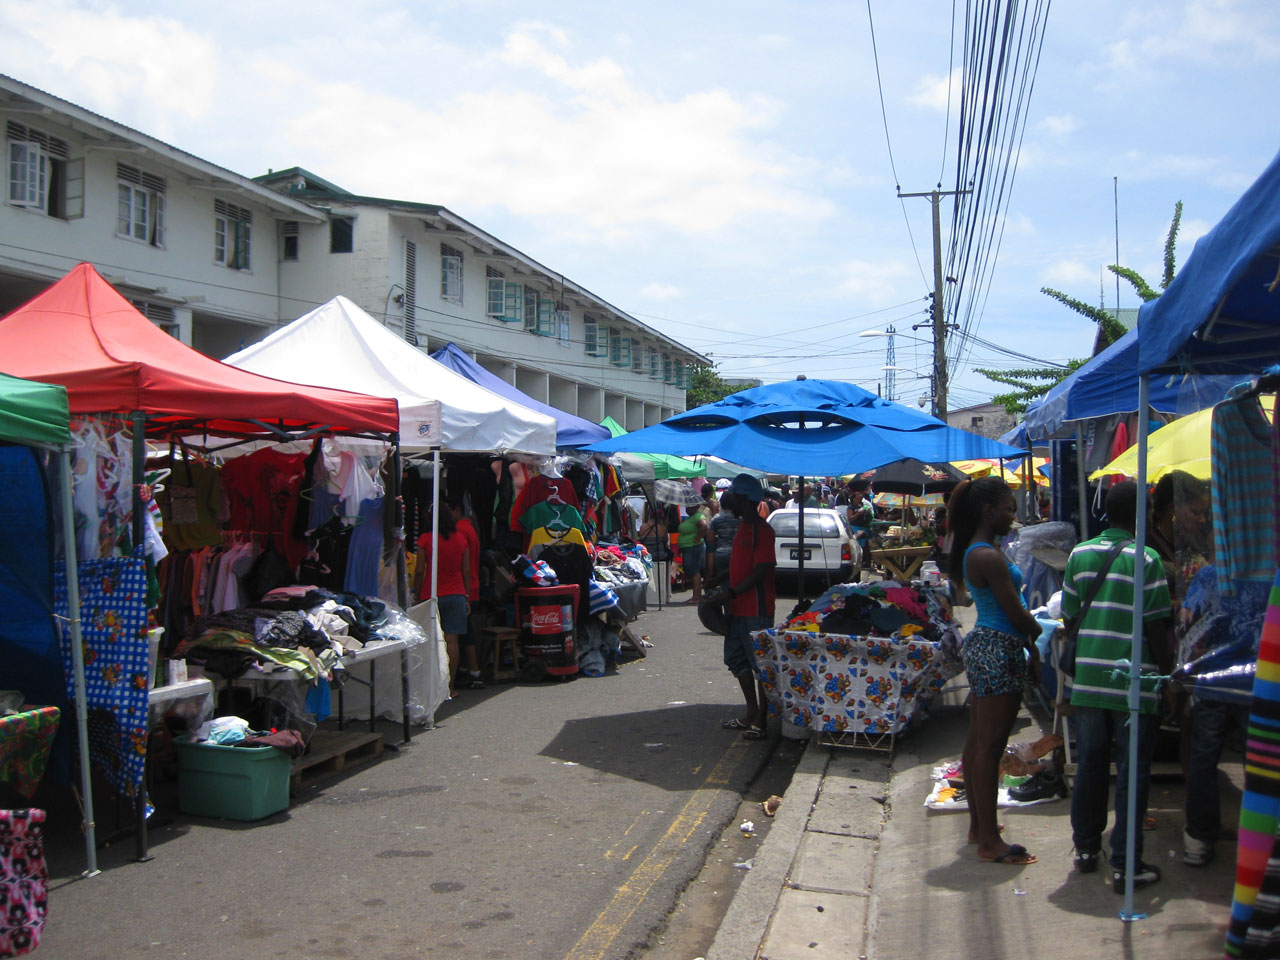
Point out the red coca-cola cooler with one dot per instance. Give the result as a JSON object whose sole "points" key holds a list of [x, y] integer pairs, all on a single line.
{"points": [[547, 616]]}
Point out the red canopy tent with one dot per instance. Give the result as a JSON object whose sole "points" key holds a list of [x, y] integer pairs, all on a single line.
{"points": [[81, 333]]}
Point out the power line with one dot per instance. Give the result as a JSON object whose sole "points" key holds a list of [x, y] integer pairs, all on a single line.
{"points": [[884, 116]]}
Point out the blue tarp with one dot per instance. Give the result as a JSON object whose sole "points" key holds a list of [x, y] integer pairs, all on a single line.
{"points": [[1107, 384], [1221, 314], [809, 427], [571, 431]]}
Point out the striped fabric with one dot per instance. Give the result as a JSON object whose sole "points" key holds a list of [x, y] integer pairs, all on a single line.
{"points": [[1243, 490], [1107, 632], [1254, 930]]}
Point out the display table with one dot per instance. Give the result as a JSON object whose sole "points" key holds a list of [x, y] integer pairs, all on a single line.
{"points": [[837, 684], [901, 563], [26, 738], [632, 599]]}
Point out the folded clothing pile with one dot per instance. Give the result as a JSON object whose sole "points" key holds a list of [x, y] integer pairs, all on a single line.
{"points": [[874, 610]]}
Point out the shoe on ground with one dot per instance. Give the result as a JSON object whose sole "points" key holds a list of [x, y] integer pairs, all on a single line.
{"points": [[1145, 876], [472, 681], [1086, 862], [1195, 853], [1042, 786]]}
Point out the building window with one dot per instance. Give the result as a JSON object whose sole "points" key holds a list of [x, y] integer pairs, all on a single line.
{"points": [[677, 374], [513, 311], [159, 314], [289, 240], [530, 309], [666, 369], [342, 234], [655, 364], [563, 326], [619, 348], [232, 235], [139, 205], [546, 317], [41, 176], [496, 302], [638, 363], [595, 337], [450, 273]]}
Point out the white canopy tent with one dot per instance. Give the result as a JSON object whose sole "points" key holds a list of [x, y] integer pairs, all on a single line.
{"points": [[339, 345]]}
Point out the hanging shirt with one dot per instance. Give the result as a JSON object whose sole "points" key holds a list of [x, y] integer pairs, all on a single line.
{"points": [[468, 531], [538, 490], [449, 580], [1243, 482]]}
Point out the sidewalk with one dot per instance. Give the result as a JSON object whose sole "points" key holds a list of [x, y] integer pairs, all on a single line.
{"points": [[856, 866]]}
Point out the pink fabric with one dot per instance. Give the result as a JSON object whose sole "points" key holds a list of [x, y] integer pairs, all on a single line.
{"points": [[24, 881]]}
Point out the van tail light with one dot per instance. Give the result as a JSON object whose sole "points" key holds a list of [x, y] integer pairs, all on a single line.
{"points": [[846, 555]]}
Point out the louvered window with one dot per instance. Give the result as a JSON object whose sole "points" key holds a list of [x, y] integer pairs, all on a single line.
{"points": [[411, 292], [450, 273], [289, 240], [159, 314], [496, 302], [42, 177], [232, 234], [139, 205]]}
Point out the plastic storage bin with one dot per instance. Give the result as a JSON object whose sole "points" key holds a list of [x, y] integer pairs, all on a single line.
{"points": [[235, 783]]}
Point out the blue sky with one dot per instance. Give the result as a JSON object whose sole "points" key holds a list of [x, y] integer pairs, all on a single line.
{"points": [[717, 169]]}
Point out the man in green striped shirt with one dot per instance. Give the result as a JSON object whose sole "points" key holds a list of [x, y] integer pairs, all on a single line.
{"points": [[1100, 692]]}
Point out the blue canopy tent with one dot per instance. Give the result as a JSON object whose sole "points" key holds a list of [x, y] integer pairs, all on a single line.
{"points": [[1221, 316], [571, 431]]}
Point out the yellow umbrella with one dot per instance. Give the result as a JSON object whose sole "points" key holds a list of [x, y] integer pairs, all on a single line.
{"points": [[1181, 445], [983, 468]]}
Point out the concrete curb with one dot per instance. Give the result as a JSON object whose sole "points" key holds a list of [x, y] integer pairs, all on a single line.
{"points": [[747, 920]]}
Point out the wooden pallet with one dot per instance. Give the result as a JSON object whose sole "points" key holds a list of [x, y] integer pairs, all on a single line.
{"points": [[332, 752]]}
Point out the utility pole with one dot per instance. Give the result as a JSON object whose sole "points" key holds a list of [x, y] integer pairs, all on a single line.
{"points": [[939, 314]]}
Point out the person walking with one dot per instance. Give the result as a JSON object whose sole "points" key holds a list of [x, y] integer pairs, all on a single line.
{"points": [[720, 534], [692, 541], [998, 653], [1100, 695], [751, 597]]}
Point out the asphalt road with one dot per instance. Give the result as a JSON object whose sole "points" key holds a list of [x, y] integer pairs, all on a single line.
{"points": [[557, 820]]}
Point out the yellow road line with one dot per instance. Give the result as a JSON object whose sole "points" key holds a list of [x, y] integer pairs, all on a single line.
{"points": [[608, 925]]}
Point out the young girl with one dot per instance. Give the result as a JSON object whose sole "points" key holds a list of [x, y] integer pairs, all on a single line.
{"points": [[980, 513], [452, 584]]}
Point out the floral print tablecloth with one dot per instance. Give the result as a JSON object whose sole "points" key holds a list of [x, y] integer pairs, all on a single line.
{"points": [[834, 683], [25, 741]]}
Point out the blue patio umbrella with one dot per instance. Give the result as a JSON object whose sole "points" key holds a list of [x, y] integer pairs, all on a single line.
{"points": [[808, 427]]}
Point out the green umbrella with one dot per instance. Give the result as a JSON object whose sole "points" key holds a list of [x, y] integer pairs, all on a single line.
{"points": [[652, 466]]}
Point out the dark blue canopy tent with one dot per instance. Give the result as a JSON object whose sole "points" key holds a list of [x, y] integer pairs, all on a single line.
{"points": [[571, 431], [1220, 315]]}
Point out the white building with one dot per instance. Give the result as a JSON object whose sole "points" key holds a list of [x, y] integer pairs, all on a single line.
{"points": [[436, 278], [220, 260]]}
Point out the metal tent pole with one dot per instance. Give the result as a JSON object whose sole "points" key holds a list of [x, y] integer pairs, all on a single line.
{"points": [[141, 852], [1082, 480], [77, 661], [1135, 654]]}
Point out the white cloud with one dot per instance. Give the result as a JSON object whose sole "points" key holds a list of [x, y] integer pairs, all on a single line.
{"points": [[660, 291], [873, 283], [1189, 231], [1058, 126], [1068, 274], [932, 91]]}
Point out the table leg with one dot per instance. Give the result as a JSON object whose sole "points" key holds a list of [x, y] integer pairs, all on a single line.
{"points": [[373, 686], [404, 690]]}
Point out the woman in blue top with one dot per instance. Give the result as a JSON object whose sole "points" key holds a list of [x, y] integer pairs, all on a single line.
{"points": [[980, 513]]}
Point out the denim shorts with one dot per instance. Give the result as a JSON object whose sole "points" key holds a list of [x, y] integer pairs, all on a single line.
{"points": [[694, 558], [739, 656], [453, 614]]}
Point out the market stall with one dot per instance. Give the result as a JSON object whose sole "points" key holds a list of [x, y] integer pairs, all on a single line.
{"points": [[862, 664], [129, 382]]}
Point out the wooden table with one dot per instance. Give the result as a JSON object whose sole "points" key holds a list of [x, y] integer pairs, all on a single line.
{"points": [[901, 563]]}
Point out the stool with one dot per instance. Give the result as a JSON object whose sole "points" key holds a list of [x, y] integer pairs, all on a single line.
{"points": [[494, 643]]}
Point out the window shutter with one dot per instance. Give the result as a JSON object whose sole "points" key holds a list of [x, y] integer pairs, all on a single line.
{"points": [[590, 336], [497, 299], [546, 318], [26, 166], [531, 309], [410, 331], [514, 309], [74, 191]]}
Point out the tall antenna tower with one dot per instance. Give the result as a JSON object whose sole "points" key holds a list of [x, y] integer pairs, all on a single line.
{"points": [[890, 370]]}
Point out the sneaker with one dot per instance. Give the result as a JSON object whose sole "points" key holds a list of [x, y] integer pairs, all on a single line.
{"points": [[1043, 786], [473, 681], [1145, 876], [1086, 862], [1195, 853]]}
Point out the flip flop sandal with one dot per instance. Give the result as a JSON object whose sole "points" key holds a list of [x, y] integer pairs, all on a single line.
{"points": [[736, 724], [1015, 856], [753, 733]]}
